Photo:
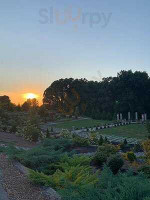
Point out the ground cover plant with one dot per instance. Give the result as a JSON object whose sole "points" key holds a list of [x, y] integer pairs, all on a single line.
{"points": [[73, 171], [138, 131], [43, 157], [74, 185], [82, 123]]}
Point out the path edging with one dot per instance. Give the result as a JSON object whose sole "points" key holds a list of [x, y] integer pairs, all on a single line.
{"points": [[47, 191]]}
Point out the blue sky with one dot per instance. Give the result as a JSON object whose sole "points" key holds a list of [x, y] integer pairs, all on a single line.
{"points": [[35, 52]]}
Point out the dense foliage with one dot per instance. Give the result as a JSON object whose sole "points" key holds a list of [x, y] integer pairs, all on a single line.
{"points": [[74, 177], [115, 162], [101, 100], [107, 187], [43, 157]]}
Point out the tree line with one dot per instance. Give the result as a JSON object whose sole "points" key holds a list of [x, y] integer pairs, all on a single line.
{"points": [[127, 92]]}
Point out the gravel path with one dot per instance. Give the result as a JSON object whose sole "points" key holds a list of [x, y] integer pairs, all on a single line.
{"points": [[16, 184], [3, 193]]}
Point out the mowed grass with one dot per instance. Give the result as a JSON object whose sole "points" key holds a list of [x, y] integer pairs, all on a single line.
{"points": [[81, 123], [138, 131]]}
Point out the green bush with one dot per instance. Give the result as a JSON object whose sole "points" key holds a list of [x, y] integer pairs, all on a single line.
{"points": [[130, 156], [100, 141], [106, 141], [13, 129], [5, 128], [57, 144], [48, 134], [99, 158], [66, 134], [137, 147], [39, 178], [80, 142], [145, 169], [111, 187], [74, 161], [2, 149], [43, 158], [31, 133], [148, 126], [108, 149], [74, 176], [93, 138], [66, 162], [125, 142], [115, 163]]}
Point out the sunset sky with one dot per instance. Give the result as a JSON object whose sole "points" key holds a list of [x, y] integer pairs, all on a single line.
{"points": [[38, 46]]}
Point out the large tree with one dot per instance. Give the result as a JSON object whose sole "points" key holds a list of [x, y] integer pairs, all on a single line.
{"points": [[129, 91]]}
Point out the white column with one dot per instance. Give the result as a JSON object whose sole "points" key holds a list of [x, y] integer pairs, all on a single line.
{"points": [[129, 116], [121, 116], [136, 116], [145, 117], [117, 117]]}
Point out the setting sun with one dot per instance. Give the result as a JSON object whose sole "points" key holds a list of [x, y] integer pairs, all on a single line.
{"points": [[30, 96]]}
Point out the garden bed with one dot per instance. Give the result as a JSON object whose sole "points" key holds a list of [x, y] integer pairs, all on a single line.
{"points": [[61, 165]]}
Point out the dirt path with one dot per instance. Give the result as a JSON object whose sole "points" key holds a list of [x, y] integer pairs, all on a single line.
{"points": [[16, 184]]}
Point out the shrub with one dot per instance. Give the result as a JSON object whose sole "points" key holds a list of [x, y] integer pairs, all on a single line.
{"points": [[100, 141], [57, 144], [145, 169], [13, 129], [146, 146], [66, 162], [2, 149], [66, 134], [115, 163], [31, 133], [52, 130], [74, 161], [39, 178], [40, 159], [125, 142], [106, 141], [43, 158], [138, 148], [93, 138], [5, 128], [99, 158], [74, 176], [110, 187], [107, 149], [130, 156], [48, 133], [81, 142], [148, 126]]}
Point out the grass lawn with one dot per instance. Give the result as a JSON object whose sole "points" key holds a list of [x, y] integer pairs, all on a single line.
{"points": [[138, 131], [81, 123]]}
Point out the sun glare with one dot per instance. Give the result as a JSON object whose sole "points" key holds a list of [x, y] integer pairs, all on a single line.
{"points": [[30, 96]]}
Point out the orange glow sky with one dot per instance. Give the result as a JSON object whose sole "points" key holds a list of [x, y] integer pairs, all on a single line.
{"points": [[18, 97]]}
